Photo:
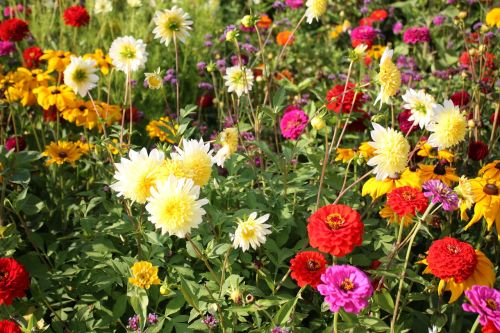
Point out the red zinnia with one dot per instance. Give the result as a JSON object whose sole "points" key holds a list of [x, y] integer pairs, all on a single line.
{"points": [[450, 258], [32, 56], [489, 328], [339, 101], [76, 16], [14, 30], [406, 200], [335, 229], [7, 326], [379, 15], [307, 268], [366, 21], [14, 280], [477, 151]]}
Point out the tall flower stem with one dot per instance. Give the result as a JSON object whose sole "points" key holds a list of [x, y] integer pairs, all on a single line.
{"points": [[475, 325], [203, 258], [335, 322], [177, 87]]}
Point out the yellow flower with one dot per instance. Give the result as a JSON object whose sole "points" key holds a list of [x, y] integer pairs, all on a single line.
{"points": [[103, 60], [83, 147], [493, 18], [345, 154], [376, 51], [197, 159], [491, 170], [251, 232], [154, 80], [426, 150], [387, 213], [163, 129], [115, 148], [335, 33], [144, 275], [377, 188], [57, 60], [448, 126], [487, 198], [61, 152], [465, 196], [59, 96], [389, 78], [439, 171], [177, 169], [83, 113], [229, 138], [366, 150], [315, 9]]}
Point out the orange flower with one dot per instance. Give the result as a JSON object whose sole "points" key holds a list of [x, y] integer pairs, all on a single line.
{"points": [[283, 37], [264, 22]]}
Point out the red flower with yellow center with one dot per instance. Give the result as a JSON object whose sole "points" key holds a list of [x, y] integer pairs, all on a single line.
{"points": [[14, 280], [307, 268], [407, 200], [335, 229]]}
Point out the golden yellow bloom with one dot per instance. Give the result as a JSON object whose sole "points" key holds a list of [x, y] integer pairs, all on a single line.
{"points": [[345, 154], [493, 18], [115, 148], [389, 78], [59, 96], [229, 138], [197, 159], [376, 51], [103, 60], [177, 168], [56, 60], [61, 152], [465, 196], [83, 113], [377, 188], [83, 147], [487, 198], [335, 33], [163, 129], [366, 150], [154, 80], [387, 213], [426, 150], [144, 275], [491, 170], [439, 171]]}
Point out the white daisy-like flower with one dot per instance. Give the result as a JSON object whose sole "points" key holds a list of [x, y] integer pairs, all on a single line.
{"points": [[239, 80], [154, 80], [134, 3], [175, 207], [421, 106], [315, 9], [222, 155], [170, 24], [391, 152], [80, 75], [252, 232], [128, 54], [197, 160], [137, 174], [448, 126], [103, 6]]}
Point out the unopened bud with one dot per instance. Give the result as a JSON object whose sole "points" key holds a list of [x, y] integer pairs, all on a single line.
{"points": [[471, 123], [462, 15], [247, 21], [231, 35], [318, 123]]}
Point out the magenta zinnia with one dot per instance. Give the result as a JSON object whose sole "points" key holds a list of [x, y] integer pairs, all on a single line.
{"points": [[293, 122], [484, 301]]}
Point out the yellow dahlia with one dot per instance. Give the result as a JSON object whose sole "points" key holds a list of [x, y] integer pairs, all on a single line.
{"points": [[377, 188], [487, 202], [389, 78], [144, 275], [229, 142], [197, 159], [491, 170], [465, 196], [439, 171], [448, 126], [315, 9], [61, 152]]}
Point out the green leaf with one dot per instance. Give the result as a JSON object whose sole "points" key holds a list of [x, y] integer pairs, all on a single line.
{"points": [[189, 290]]}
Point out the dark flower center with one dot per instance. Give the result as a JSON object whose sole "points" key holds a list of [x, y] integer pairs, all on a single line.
{"points": [[440, 169], [55, 92], [61, 56], [347, 285], [3, 275], [62, 154], [313, 265], [490, 189], [497, 166], [82, 107], [335, 221], [491, 304]]}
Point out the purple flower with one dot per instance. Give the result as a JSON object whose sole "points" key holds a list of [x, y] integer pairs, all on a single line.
{"points": [[294, 4], [210, 321], [440, 193], [477, 26], [152, 319], [221, 65], [279, 329], [235, 60], [208, 43], [347, 287], [133, 323], [397, 28], [249, 48], [438, 20], [6, 48], [279, 5], [201, 66], [416, 35], [293, 122], [205, 86], [364, 10], [484, 301]]}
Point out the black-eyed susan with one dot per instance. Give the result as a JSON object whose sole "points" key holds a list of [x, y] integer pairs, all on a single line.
{"points": [[377, 188], [426, 150], [56, 60], [486, 194], [144, 275], [458, 266], [345, 154], [440, 171], [102, 60], [491, 170], [376, 51], [163, 129], [59, 96], [61, 152], [83, 147]]}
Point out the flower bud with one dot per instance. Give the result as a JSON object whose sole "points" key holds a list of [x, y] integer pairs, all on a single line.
{"points": [[318, 123], [247, 21], [164, 289], [462, 15], [236, 296], [231, 35], [471, 123], [484, 28]]}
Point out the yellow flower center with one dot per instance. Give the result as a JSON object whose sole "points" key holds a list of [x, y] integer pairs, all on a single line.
{"points": [[313, 265], [128, 52], [79, 75], [491, 304], [248, 230], [347, 285], [335, 221], [178, 208]]}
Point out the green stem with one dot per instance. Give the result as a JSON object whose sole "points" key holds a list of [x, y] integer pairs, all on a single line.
{"points": [[474, 327], [335, 322]]}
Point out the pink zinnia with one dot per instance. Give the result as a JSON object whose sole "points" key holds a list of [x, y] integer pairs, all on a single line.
{"points": [[416, 35], [294, 3], [364, 34], [345, 286], [293, 122], [484, 301]]}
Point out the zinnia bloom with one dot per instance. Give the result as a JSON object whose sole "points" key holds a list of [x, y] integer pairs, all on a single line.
{"points": [[335, 229], [239, 80], [342, 100], [7, 326], [14, 30], [346, 287], [31, 56], [6, 48], [458, 266], [76, 16], [406, 201], [379, 15], [489, 328], [14, 281], [80, 75], [484, 301], [391, 152], [440, 193], [460, 98], [128, 54], [285, 37], [448, 127], [421, 106], [144, 275], [307, 268], [175, 207], [416, 35], [363, 34], [293, 122], [251, 232], [197, 158], [389, 78], [61, 152], [170, 24], [487, 198], [377, 188]]}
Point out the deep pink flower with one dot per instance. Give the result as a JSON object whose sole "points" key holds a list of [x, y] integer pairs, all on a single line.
{"points": [[347, 287], [293, 122], [364, 34], [416, 35], [484, 301], [294, 3], [10, 143], [406, 125]]}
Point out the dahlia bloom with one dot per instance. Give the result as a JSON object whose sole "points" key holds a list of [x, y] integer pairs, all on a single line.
{"points": [[484, 301], [315, 9], [13, 142], [440, 193], [448, 126], [76, 16], [239, 80], [421, 106], [31, 56], [389, 78], [80, 75], [460, 98], [170, 24], [197, 160], [128, 54], [251, 232], [14, 30], [416, 35], [477, 151], [307, 267], [14, 282], [7, 326], [346, 287], [293, 122], [144, 275]]}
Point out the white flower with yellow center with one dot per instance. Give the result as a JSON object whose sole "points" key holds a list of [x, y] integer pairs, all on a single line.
{"points": [[170, 24], [154, 80], [137, 174], [315, 9], [128, 54], [448, 126], [391, 152], [80, 75], [421, 106], [229, 141], [389, 78], [196, 158], [252, 232], [175, 207], [103, 6], [239, 80]]}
